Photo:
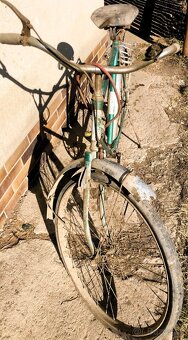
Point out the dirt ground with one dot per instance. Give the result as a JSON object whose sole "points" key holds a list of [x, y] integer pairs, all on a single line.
{"points": [[38, 299]]}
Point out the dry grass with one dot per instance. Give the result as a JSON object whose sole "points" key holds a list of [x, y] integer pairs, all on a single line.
{"points": [[182, 244]]}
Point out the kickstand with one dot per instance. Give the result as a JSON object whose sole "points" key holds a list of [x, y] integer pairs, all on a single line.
{"points": [[132, 140]]}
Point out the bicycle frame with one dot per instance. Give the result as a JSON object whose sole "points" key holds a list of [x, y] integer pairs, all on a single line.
{"points": [[110, 251], [112, 100], [105, 90], [101, 86], [96, 149], [108, 102]]}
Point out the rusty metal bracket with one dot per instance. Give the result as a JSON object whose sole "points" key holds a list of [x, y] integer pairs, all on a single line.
{"points": [[27, 26]]}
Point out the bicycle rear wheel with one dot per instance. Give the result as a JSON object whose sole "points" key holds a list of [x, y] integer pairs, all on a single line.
{"points": [[133, 282]]}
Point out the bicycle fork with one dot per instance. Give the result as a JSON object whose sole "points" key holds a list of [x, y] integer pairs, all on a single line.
{"points": [[86, 200], [98, 103]]}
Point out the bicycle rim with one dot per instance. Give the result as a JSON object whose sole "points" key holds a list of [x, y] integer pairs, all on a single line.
{"points": [[126, 283]]}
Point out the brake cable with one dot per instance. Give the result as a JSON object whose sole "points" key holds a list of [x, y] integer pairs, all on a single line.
{"points": [[102, 68]]}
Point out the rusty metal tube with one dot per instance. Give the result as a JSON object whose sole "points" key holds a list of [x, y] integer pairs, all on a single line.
{"points": [[16, 39]]}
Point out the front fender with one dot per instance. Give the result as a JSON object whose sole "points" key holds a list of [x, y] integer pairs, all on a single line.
{"points": [[133, 184]]}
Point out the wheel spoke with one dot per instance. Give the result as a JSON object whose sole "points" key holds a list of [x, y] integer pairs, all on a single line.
{"points": [[127, 274]]}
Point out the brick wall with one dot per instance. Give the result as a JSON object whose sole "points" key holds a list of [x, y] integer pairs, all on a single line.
{"points": [[14, 173]]}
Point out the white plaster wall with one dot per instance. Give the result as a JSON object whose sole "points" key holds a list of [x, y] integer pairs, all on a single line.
{"points": [[56, 21]]}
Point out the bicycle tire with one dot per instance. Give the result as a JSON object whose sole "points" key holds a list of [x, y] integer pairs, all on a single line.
{"points": [[112, 293]]}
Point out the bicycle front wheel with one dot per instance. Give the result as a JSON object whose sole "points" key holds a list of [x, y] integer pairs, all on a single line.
{"points": [[128, 284]]}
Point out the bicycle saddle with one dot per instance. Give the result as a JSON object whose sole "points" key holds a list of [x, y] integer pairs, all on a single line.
{"points": [[121, 15]]}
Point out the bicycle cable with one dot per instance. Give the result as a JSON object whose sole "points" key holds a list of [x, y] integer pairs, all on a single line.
{"points": [[115, 90]]}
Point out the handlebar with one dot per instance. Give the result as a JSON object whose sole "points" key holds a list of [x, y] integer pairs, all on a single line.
{"points": [[17, 39]]}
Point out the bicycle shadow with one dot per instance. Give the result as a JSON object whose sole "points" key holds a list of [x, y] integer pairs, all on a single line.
{"points": [[45, 164], [74, 135]]}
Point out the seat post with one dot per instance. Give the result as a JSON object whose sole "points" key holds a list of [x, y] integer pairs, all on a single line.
{"points": [[113, 33], [116, 33]]}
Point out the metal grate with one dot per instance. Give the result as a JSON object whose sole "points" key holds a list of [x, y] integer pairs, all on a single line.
{"points": [[164, 18]]}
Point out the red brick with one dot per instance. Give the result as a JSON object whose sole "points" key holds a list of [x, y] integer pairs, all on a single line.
{"points": [[60, 122], [104, 40], [15, 198], [64, 94], [6, 198], [3, 174], [51, 120], [55, 103], [23, 173], [9, 179], [16, 155], [95, 59], [28, 153], [62, 107], [89, 58], [93, 54], [101, 52], [96, 50], [3, 218], [34, 132]]}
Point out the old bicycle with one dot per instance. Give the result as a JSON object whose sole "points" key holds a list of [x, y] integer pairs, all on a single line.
{"points": [[111, 240]]}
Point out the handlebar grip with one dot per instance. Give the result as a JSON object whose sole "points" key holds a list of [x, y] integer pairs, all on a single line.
{"points": [[172, 49]]}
